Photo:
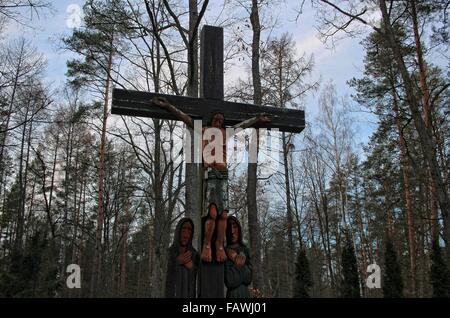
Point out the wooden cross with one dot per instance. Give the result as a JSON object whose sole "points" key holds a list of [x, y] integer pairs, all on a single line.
{"points": [[136, 103]]}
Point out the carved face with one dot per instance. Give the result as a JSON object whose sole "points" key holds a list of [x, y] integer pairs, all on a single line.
{"points": [[218, 120], [234, 233], [185, 235]]}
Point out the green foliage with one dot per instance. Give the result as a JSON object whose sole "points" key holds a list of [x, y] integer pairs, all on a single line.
{"points": [[28, 273], [277, 278], [303, 278], [350, 280], [440, 273], [105, 22], [392, 274], [12, 202]]}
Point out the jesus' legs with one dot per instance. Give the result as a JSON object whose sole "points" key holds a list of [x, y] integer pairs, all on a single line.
{"points": [[210, 223], [221, 228]]}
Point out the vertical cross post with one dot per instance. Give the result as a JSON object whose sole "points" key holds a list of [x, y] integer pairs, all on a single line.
{"points": [[211, 63], [211, 275], [211, 74]]}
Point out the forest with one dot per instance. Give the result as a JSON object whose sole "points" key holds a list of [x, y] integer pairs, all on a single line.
{"points": [[79, 185]]}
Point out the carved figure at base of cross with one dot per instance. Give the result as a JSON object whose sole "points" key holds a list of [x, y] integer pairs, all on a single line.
{"points": [[216, 174]]}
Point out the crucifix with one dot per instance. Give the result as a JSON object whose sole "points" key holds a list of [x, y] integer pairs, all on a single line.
{"points": [[213, 113]]}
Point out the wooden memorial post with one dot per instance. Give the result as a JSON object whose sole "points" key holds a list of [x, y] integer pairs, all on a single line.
{"points": [[135, 103]]}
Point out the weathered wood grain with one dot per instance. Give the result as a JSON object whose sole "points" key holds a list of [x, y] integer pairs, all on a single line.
{"points": [[136, 103]]}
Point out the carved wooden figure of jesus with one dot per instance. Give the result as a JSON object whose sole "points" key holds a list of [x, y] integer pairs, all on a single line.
{"points": [[215, 167]]}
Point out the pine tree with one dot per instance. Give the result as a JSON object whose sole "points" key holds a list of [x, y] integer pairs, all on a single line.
{"points": [[303, 279], [392, 276], [350, 281], [440, 273], [25, 273], [98, 44]]}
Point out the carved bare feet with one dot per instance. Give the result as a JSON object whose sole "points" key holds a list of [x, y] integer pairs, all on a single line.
{"points": [[220, 253], [206, 253]]}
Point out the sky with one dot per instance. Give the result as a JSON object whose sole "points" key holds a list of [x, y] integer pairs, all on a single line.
{"points": [[45, 34], [340, 63]]}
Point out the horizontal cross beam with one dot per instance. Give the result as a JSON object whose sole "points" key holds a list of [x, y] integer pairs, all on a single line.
{"points": [[136, 103]]}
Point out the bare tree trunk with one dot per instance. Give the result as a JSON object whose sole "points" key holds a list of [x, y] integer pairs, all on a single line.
{"points": [[97, 264], [139, 280], [338, 258], [30, 210], [289, 217], [75, 245], [407, 193], [389, 228], [67, 181], [324, 202], [427, 117], [116, 225], [75, 192], [298, 195], [8, 118], [22, 191], [289, 212], [123, 256], [321, 206], [363, 241], [193, 170], [25, 183], [253, 222], [52, 184], [426, 140], [421, 282], [159, 228]]}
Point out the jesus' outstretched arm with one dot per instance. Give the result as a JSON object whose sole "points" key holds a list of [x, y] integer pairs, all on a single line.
{"points": [[164, 103]]}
